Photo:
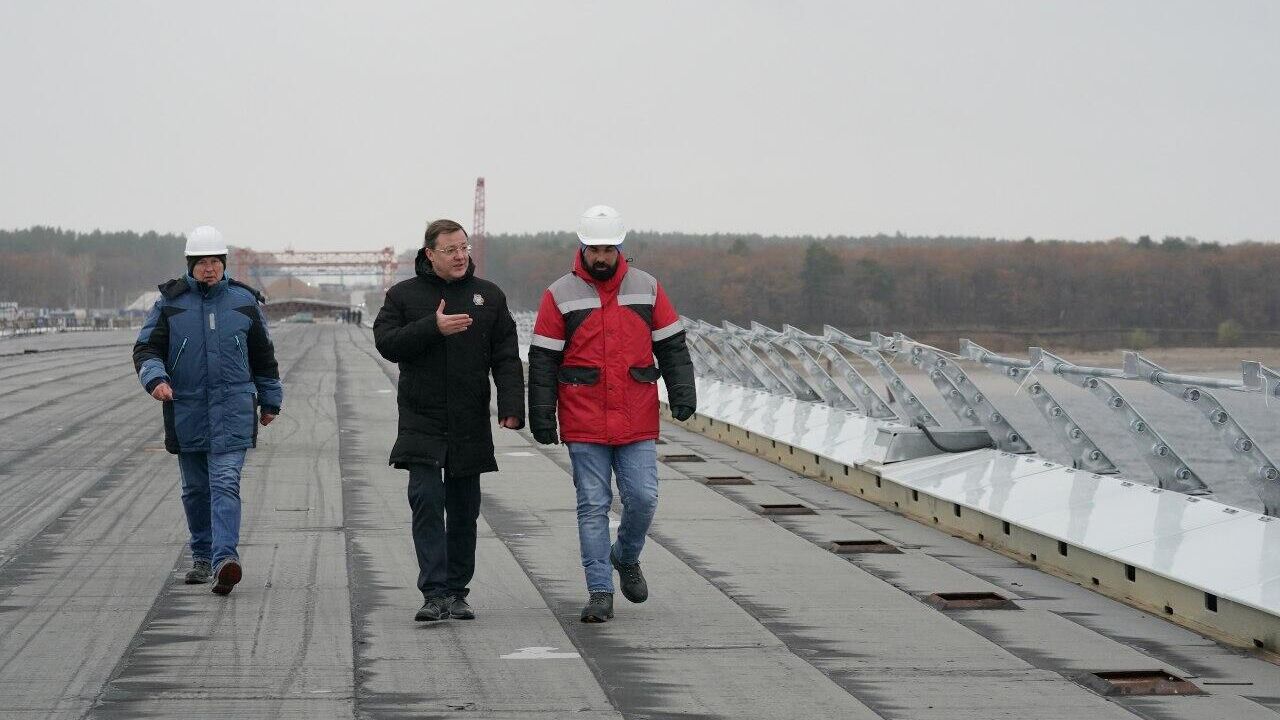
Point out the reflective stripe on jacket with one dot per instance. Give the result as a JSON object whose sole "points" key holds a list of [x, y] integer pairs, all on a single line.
{"points": [[211, 345], [591, 357]]}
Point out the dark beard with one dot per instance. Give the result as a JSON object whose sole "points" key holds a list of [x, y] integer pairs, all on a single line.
{"points": [[602, 275]]}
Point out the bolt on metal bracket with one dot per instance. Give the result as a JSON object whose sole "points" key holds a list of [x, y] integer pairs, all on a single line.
{"points": [[1265, 476], [901, 400], [1168, 467], [961, 395], [1085, 453], [867, 399]]}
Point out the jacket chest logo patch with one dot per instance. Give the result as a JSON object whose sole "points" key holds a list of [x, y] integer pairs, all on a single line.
{"points": [[477, 299]]}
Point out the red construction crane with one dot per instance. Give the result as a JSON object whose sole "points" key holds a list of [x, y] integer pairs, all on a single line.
{"points": [[477, 230]]}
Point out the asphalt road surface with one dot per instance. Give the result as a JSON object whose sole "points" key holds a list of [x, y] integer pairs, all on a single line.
{"points": [[748, 617]]}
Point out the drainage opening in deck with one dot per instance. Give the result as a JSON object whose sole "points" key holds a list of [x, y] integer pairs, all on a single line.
{"points": [[1211, 602], [1130, 573], [1138, 682], [680, 458], [850, 547], [970, 601], [785, 509], [727, 480]]}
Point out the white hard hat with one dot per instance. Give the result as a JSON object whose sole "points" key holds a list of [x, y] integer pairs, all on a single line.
{"points": [[601, 225], [205, 240]]}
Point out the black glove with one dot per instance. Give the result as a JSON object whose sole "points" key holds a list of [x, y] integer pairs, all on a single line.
{"points": [[546, 437], [681, 412]]}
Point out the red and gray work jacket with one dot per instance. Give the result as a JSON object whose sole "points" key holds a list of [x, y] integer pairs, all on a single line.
{"points": [[591, 358]]}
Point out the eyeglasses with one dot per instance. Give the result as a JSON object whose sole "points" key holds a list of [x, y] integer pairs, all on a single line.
{"points": [[455, 250]]}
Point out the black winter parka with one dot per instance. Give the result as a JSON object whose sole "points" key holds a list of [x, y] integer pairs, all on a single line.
{"points": [[444, 380]]}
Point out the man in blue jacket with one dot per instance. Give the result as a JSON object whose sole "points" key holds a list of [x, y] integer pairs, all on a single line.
{"points": [[205, 353]]}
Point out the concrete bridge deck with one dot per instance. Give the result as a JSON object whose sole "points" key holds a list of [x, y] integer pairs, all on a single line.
{"points": [[750, 617]]}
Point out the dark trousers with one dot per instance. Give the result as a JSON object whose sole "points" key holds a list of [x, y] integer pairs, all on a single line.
{"points": [[444, 529]]}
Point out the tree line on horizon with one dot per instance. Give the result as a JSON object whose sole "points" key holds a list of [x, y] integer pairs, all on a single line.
{"points": [[1006, 293]]}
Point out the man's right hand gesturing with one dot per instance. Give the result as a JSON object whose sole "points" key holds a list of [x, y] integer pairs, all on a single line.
{"points": [[451, 324], [162, 392]]}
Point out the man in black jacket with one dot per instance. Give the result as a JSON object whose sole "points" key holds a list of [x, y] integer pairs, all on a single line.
{"points": [[448, 329]]}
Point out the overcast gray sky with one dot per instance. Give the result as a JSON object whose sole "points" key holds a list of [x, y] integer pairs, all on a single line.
{"points": [[348, 125]]}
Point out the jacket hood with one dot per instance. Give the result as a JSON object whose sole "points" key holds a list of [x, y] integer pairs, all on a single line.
{"points": [[607, 285], [422, 266]]}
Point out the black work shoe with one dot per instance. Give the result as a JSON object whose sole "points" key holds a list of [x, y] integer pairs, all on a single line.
{"points": [[599, 608], [634, 588], [200, 573], [460, 609], [435, 608], [227, 575]]}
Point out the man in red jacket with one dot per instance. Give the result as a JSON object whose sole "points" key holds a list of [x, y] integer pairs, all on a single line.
{"points": [[591, 360]]}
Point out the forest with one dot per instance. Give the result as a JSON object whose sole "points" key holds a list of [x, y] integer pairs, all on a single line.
{"points": [[1006, 294], [55, 268]]}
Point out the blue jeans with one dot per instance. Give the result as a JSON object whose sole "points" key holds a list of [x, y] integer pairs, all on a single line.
{"points": [[211, 498], [636, 467]]}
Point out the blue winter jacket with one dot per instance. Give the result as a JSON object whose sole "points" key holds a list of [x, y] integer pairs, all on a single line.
{"points": [[211, 345]]}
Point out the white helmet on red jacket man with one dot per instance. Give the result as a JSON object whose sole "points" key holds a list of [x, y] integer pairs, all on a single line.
{"points": [[601, 225]]}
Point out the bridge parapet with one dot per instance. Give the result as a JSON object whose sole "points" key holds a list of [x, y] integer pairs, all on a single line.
{"points": [[1160, 545]]}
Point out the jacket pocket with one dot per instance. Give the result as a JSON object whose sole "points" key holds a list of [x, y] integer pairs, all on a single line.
{"points": [[648, 374], [576, 375]]}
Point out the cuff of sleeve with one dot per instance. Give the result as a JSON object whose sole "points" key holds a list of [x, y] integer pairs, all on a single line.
{"points": [[270, 410], [151, 386]]}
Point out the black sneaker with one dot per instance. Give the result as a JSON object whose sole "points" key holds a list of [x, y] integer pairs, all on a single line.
{"points": [[460, 609], [599, 608], [228, 574], [435, 608], [634, 588], [200, 573]]}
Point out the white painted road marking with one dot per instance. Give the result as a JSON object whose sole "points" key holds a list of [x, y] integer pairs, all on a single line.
{"points": [[538, 653], [519, 453]]}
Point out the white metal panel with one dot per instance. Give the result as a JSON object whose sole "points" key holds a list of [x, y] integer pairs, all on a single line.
{"points": [[1232, 553], [1109, 514], [1239, 553]]}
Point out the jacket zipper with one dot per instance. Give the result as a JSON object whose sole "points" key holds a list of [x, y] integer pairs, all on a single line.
{"points": [[181, 347]]}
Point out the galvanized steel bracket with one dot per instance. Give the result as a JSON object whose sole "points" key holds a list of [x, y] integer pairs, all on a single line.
{"points": [[901, 400], [1170, 471], [778, 377], [810, 372], [961, 395], [1260, 378], [868, 400], [1085, 453], [717, 345], [1264, 475]]}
